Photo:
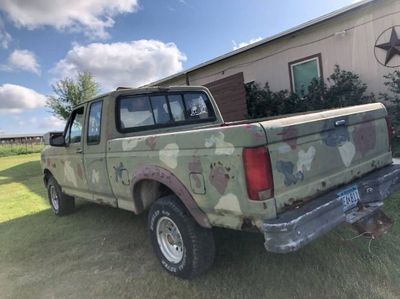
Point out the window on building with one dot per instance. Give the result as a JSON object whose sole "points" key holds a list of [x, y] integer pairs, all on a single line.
{"points": [[94, 125], [303, 71]]}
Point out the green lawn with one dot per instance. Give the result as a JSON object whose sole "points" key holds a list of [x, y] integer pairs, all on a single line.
{"points": [[101, 252]]}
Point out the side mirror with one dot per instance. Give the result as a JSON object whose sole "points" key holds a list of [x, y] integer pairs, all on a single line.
{"points": [[55, 139]]}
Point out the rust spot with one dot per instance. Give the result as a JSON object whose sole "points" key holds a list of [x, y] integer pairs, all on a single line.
{"points": [[294, 204], [289, 135], [151, 142]]}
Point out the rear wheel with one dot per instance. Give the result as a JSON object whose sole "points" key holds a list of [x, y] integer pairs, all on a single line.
{"points": [[183, 248], [60, 203]]}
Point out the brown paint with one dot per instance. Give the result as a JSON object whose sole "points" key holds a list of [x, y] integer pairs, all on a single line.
{"points": [[218, 178], [289, 135], [151, 142], [195, 166], [364, 136], [168, 179]]}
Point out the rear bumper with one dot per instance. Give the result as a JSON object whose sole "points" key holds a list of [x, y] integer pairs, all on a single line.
{"points": [[294, 229]]}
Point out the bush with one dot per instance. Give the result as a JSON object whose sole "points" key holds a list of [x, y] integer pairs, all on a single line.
{"points": [[393, 84], [341, 89]]}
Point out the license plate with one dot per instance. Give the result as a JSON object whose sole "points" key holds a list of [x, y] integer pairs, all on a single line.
{"points": [[349, 197]]}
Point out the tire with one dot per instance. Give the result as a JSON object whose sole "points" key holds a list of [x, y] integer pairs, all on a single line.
{"points": [[60, 203], [186, 252]]}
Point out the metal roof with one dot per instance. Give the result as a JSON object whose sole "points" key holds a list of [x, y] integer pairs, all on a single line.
{"points": [[10, 136], [285, 33]]}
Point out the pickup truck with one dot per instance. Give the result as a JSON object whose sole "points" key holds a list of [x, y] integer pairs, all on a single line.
{"points": [[168, 151]]}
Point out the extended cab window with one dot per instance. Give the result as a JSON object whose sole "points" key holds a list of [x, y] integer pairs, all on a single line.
{"points": [[75, 125], [161, 110], [94, 125]]}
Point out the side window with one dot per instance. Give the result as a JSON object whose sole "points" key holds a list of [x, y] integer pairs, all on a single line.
{"points": [[177, 108], [94, 125], [302, 72], [135, 112], [196, 106], [74, 131], [160, 109]]}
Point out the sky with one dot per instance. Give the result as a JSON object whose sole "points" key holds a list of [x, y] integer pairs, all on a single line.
{"points": [[123, 43]]}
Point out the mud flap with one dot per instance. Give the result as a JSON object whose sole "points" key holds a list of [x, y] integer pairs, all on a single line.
{"points": [[373, 225]]}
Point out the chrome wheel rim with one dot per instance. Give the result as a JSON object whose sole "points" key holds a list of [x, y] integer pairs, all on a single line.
{"points": [[169, 240], [54, 197]]}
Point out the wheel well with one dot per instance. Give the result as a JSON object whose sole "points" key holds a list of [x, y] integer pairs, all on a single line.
{"points": [[47, 175], [147, 191]]}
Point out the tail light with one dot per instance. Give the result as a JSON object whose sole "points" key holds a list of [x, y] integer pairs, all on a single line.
{"points": [[390, 131], [257, 167]]}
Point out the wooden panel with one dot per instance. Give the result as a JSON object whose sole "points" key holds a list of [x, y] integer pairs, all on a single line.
{"points": [[230, 95]]}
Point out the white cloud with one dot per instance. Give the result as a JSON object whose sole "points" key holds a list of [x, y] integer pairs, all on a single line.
{"points": [[15, 98], [244, 44], [50, 123], [122, 64], [92, 17], [5, 38], [23, 60]]}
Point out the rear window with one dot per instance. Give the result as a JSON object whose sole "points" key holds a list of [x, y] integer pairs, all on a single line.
{"points": [[162, 110]]}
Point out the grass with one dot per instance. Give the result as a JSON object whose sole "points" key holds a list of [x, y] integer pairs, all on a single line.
{"points": [[101, 252], [19, 149]]}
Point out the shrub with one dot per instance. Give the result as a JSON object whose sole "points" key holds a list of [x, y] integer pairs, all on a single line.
{"points": [[342, 88], [393, 84]]}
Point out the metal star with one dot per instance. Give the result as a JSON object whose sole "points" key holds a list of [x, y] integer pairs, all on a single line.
{"points": [[392, 47]]}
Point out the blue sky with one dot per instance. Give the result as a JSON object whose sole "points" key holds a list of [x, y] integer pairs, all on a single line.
{"points": [[123, 43]]}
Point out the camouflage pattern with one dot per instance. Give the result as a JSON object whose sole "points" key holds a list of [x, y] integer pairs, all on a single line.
{"points": [[203, 163]]}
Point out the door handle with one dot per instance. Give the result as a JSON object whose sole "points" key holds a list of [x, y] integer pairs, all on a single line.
{"points": [[78, 151], [339, 123]]}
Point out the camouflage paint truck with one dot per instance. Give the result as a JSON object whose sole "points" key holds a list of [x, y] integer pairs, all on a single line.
{"points": [[168, 151]]}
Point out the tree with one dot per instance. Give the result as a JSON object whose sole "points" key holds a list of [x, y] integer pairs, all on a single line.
{"points": [[69, 92]]}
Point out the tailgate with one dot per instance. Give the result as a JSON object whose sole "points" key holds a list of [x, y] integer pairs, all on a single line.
{"points": [[316, 152]]}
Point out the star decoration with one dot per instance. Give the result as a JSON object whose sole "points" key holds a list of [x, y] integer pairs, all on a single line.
{"points": [[392, 47]]}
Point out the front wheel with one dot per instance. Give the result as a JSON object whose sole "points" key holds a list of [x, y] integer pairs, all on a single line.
{"points": [[60, 203], [183, 248]]}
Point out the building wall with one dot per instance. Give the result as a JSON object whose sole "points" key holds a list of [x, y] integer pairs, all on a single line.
{"points": [[352, 50]]}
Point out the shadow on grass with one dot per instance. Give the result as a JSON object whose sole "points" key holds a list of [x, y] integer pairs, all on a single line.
{"points": [[104, 252], [27, 173]]}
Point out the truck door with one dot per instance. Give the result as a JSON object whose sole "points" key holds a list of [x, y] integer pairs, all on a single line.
{"points": [[73, 173], [95, 154]]}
